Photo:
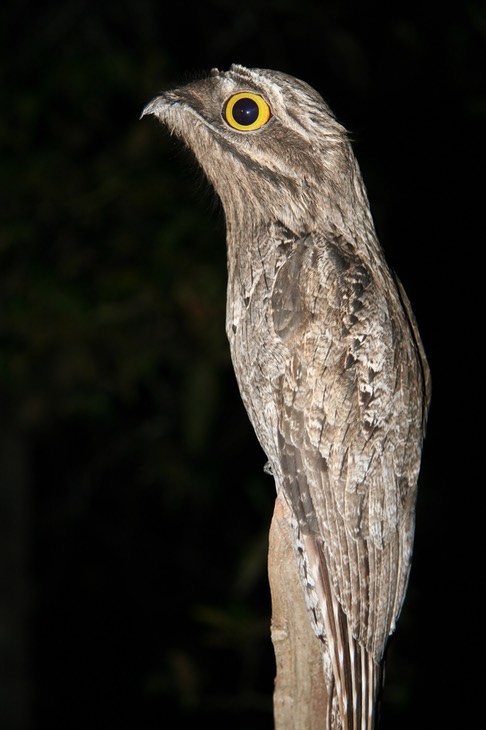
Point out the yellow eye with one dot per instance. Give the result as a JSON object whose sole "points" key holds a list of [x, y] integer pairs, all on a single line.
{"points": [[246, 111]]}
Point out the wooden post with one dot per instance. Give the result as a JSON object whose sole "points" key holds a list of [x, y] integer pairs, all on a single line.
{"points": [[300, 698]]}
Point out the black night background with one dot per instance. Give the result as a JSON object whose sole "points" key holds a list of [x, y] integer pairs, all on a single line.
{"points": [[134, 510]]}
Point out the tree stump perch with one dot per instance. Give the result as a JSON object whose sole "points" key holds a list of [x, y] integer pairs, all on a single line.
{"points": [[300, 700]]}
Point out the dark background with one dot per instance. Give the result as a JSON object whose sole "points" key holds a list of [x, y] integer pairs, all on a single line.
{"points": [[134, 511]]}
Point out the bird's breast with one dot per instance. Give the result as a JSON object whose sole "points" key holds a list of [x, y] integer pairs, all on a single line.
{"points": [[258, 356]]}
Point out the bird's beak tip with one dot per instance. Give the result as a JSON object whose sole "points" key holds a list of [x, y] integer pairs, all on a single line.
{"points": [[151, 107]]}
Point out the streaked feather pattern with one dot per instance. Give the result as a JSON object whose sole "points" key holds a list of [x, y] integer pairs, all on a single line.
{"points": [[327, 356]]}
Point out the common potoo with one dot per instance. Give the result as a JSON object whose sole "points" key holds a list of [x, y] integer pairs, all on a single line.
{"points": [[326, 353]]}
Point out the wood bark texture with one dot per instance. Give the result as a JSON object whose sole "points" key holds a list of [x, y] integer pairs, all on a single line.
{"points": [[300, 697]]}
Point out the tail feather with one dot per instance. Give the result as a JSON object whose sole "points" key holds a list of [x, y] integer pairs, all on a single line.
{"points": [[355, 673]]}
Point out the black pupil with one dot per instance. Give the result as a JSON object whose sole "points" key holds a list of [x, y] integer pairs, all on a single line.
{"points": [[245, 112]]}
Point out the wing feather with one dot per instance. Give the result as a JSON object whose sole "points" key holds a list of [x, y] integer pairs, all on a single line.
{"points": [[349, 440]]}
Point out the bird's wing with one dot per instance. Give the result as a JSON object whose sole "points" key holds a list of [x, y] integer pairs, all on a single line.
{"points": [[350, 435]]}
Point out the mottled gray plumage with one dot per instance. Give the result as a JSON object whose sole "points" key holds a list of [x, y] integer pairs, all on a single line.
{"points": [[327, 356]]}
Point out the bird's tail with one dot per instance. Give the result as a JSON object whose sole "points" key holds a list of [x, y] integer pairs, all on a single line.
{"points": [[355, 674], [354, 692]]}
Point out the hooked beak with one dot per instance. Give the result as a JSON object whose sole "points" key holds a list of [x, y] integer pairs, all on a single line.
{"points": [[154, 106]]}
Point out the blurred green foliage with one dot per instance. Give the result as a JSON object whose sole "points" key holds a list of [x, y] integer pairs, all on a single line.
{"points": [[131, 476]]}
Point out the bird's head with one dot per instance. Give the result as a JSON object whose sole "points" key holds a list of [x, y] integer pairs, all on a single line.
{"points": [[268, 143]]}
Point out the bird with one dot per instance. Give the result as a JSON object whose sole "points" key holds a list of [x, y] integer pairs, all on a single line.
{"points": [[326, 352]]}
